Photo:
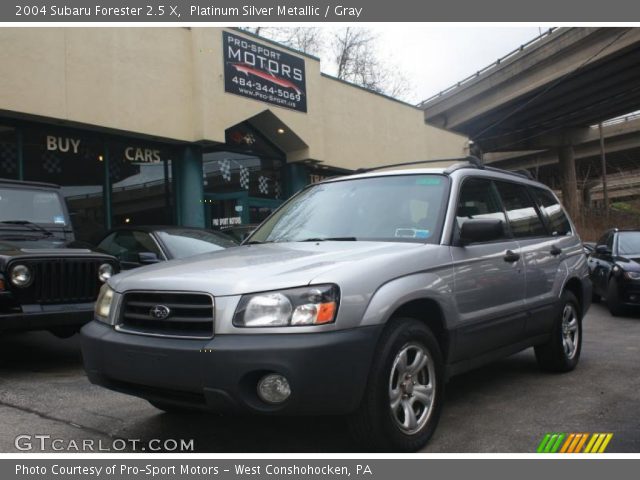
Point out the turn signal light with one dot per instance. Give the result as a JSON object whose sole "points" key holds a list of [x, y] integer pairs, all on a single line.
{"points": [[326, 312]]}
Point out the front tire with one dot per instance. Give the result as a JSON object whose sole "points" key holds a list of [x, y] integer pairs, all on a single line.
{"points": [[402, 402], [562, 352]]}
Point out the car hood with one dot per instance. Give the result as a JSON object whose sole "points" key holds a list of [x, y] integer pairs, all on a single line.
{"points": [[254, 268], [629, 263], [37, 245]]}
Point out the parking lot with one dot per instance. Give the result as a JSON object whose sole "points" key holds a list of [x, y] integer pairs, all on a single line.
{"points": [[504, 407]]}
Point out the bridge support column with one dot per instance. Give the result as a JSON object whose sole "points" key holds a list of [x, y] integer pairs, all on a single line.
{"points": [[569, 181]]}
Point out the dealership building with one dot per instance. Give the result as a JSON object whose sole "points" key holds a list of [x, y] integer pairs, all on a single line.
{"points": [[188, 126]]}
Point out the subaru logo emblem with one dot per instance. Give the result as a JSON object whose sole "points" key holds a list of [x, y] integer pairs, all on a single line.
{"points": [[160, 312]]}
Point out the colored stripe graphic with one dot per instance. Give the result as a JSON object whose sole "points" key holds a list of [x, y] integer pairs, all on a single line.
{"points": [[551, 443], [574, 442]]}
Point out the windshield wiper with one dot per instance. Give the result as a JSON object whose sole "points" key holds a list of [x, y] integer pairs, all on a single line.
{"points": [[34, 227], [330, 239], [314, 239]]}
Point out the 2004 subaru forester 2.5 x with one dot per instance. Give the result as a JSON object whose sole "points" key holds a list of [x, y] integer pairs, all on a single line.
{"points": [[361, 295]]}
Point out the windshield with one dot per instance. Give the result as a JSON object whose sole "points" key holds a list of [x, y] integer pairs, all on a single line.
{"points": [[392, 208], [629, 243], [35, 206], [185, 243]]}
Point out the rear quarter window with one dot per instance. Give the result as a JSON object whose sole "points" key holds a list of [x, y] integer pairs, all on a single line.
{"points": [[521, 211]]}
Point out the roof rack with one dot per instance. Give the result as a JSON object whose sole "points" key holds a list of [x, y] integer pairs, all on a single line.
{"points": [[520, 173], [461, 162], [471, 162]]}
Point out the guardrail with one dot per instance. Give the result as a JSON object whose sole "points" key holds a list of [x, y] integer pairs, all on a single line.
{"points": [[500, 60], [622, 119]]}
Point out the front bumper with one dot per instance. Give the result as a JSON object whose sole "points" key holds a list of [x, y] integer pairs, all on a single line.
{"points": [[44, 317], [629, 292], [327, 371]]}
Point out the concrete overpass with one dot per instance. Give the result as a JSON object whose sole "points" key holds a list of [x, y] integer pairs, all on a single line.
{"points": [[621, 138], [537, 104]]}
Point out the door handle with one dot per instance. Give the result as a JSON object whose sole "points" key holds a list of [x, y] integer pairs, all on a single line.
{"points": [[555, 250], [511, 256]]}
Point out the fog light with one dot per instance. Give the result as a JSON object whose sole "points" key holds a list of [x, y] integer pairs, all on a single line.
{"points": [[20, 276], [274, 388], [104, 272]]}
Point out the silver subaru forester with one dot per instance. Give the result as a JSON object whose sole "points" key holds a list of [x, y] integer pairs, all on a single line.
{"points": [[360, 296]]}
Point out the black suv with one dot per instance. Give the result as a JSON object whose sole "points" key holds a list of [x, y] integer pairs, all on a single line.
{"points": [[614, 267], [44, 283]]}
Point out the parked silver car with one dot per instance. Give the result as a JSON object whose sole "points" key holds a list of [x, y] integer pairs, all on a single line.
{"points": [[361, 296]]}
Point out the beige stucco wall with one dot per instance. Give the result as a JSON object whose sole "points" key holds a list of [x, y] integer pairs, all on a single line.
{"points": [[168, 83], [136, 80]]}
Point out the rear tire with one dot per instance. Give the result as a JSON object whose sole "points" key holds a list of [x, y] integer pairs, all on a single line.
{"points": [[405, 390], [613, 299], [562, 352]]}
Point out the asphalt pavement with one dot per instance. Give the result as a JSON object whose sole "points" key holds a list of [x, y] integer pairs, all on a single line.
{"points": [[504, 407]]}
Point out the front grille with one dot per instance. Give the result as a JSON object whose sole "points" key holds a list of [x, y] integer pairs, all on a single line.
{"points": [[60, 280], [190, 314]]}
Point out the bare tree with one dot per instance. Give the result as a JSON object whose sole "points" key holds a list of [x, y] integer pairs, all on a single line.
{"points": [[309, 40], [357, 61], [306, 39], [352, 54]]}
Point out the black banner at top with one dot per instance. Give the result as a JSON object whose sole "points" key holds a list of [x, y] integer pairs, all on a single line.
{"points": [[264, 73], [241, 12]]}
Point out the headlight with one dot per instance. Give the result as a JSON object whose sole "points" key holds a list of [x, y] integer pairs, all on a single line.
{"points": [[21, 276], [105, 271], [632, 275], [103, 304], [315, 305]]}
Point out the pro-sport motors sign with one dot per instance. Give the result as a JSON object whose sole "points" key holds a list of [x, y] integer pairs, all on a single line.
{"points": [[263, 73]]}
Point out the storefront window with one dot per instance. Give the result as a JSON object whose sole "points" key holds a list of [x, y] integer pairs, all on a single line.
{"points": [[226, 172], [141, 184], [78, 161], [8, 153], [75, 162], [243, 180]]}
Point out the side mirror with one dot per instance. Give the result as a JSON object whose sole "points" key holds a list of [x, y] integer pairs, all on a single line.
{"points": [[147, 258], [603, 250], [481, 230]]}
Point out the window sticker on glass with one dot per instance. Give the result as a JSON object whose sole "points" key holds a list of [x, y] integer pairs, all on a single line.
{"points": [[412, 233], [58, 219], [430, 180]]}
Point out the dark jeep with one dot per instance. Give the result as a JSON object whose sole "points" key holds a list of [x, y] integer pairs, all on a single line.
{"points": [[45, 283]]}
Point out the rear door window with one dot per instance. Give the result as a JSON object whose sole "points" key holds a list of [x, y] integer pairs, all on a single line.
{"points": [[551, 208], [521, 211]]}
